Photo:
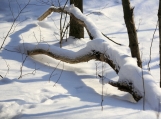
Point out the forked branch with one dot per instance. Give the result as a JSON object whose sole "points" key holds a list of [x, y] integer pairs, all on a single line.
{"points": [[88, 54]]}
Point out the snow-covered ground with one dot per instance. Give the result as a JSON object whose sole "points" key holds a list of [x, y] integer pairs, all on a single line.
{"points": [[77, 93]]}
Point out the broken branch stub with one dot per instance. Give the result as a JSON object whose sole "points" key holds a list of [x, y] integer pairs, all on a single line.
{"points": [[125, 86]]}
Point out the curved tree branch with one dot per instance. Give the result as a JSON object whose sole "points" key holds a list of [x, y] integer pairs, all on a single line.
{"points": [[123, 86], [62, 10], [92, 54], [84, 58]]}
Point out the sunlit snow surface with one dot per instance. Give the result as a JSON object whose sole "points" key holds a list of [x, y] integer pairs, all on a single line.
{"points": [[77, 95]]}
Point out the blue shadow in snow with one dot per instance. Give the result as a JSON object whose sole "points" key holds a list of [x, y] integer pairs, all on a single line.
{"points": [[15, 39], [75, 87], [119, 32]]}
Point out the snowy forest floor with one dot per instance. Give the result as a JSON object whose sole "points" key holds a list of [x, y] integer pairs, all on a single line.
{"points": [[77, 94]]}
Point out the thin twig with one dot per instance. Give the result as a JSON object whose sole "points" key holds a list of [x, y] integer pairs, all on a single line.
{"points": [[23, 59], [11, 10], [65, 31], [151, 46], [22, 66], [97, 10], [13, 23], [139, 24], [1, 76], [59, 76], [33, 72], [102, 86], [35, 37], [11, 50], [112, 40], [158, 112], [64, 21], [7, 67], [40, 33], [61, 29], [18, 4], [54, 71], [44, 2], [54, 23], [143, 86], [96, 69]]}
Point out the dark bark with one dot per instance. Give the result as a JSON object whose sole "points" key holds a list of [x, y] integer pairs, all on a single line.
{"points": [[159, 19], [130, 25], [126, 87], [84, 58], [1, 76], [76, 29]]}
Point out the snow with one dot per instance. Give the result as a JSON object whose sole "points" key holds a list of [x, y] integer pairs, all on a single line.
{"points": [[78, 91], [90, 25]]}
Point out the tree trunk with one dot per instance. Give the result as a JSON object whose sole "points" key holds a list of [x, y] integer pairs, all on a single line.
{"points": [[130, 24], [76, 29], [159, 19]]}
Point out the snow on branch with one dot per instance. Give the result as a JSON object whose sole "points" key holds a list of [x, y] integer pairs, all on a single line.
{"points": [[63, 10], [98, 48], [79, 21], [83, 55], [123, 86]]}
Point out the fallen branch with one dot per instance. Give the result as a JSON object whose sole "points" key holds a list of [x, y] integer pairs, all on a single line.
{"points": [[99, 49], [90, 55], [123, 86]]}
